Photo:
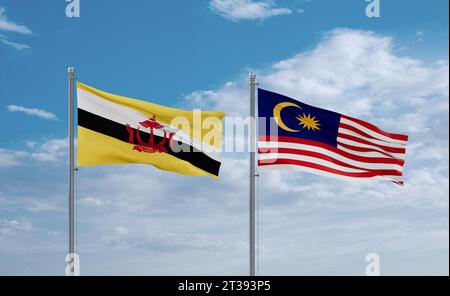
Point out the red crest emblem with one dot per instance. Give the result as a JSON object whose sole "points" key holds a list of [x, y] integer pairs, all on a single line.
{"points": [[150, 146]]}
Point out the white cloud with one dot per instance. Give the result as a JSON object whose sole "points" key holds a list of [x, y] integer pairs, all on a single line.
{"points": [[50, 150], [160, 242], [10, 26], [43, 205], [15, 45], [231, 98], [90, 201], [32, 111], [12, 226], [236, 10], [119, 232], [356, 73], [350, 67], [419, 36], [30, 144], [10, 158]]}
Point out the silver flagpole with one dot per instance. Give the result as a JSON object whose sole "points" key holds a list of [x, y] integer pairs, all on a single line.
{"points": [[252, 199], [71, 203]]}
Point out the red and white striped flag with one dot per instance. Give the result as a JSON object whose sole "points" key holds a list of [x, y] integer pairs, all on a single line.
{"points": [[325, 142]]}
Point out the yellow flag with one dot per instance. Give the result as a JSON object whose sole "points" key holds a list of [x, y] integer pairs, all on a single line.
{"points": [[116, 130]]}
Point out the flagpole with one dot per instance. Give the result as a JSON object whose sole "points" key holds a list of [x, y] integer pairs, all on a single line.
{"points": [[252, 199], [71, 202]]}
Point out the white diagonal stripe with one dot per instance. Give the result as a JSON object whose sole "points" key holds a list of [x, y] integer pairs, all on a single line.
{"points": [[328, 174], [357, 144], [374, 141], [324, 151], [320, 161], [371, 132]]}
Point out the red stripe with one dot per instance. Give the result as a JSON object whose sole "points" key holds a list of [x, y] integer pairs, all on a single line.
{"points": [[324, 157], [360, 140], [376, 129], [325, 168], [362, 149], [388, 159], [354, 129]]}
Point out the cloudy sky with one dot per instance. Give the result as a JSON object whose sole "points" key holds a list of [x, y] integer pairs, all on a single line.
{"points": [[133, 219]]}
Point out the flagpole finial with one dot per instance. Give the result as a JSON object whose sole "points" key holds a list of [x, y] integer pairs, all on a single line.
{"points": [[252, 76], [71, 70]]}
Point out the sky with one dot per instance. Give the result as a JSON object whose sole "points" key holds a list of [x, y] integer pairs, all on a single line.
{"points": [[136, 220]]}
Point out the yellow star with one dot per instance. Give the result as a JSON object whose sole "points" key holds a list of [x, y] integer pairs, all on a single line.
{"points": [[311, 123]]}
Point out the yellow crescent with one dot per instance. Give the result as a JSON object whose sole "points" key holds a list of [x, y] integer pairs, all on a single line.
{"points": [[277, 116]]}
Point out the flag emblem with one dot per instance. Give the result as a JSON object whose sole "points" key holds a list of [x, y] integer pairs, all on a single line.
{"points": [[325, 142], [150, 146], [309, 122], [306, 120]]}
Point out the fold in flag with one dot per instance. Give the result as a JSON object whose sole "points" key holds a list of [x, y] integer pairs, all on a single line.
{"points": [[325, 142], [115, 130]]}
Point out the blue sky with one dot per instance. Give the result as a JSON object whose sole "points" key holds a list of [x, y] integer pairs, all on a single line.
{"points": [[392, 71]]}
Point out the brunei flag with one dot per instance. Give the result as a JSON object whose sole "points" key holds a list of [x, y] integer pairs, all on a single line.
{"points": [[116, 130]]}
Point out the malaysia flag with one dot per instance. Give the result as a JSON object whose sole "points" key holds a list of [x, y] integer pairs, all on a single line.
{"points": [[292, 133]]}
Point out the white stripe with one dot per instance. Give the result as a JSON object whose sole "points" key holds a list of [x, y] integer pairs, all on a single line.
{"points": [[371, 132], [263, 144], [328, 174], [366, 154], [315, 160], [357, 144], [378, 142], [362, 165], [123, 115]]}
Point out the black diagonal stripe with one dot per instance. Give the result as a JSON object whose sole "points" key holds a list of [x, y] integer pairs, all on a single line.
{"points": [[116, 130]]}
